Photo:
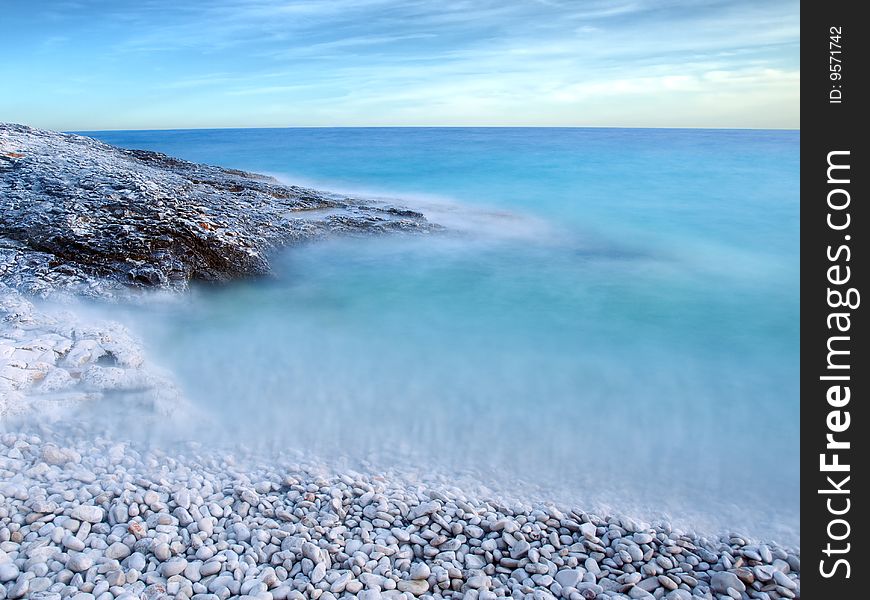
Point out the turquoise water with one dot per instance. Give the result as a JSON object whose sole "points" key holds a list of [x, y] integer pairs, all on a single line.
{"points": [[612, 317]]}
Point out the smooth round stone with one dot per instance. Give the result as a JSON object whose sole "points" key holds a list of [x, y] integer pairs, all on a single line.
{"points": [[474, 562], [182, 498], [569, 577], [417, 587], [311, 552], [279, 593], [73, 543], [722, 580], [477, 582], [117, 551], [54, 455], [640, 594], [210, 568], [8, 571], [592, 566], [420, 570], [473, 531], [101, 588], [79, 562], [161, 551], [20, 589], [119, 513], [88, 514], [173, 567], [205, 525], [520, 549], [39, 584], [642, 538], [784, 580], [136, 561], [116, 578], [241, 531]]}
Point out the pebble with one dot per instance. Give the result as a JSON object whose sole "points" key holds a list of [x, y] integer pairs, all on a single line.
{"points": [[520, 549], [420, 570], [784, 580], [8, 571], [173, 567], [569, 577], [298, 533], [89, 514], [136, 561], [722, 581], [79, 562], [117, 551], [592, 566], [642, 538], [161, 551], [71, 542], [418, 587]]}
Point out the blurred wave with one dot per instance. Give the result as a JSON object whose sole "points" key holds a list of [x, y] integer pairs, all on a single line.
{"points": [[610, 316]]}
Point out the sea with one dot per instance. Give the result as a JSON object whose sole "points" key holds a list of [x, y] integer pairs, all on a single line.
{"points": [[608, 318]]}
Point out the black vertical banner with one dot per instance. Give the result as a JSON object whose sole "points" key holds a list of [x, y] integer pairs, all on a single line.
{"points": [[834, 263]]}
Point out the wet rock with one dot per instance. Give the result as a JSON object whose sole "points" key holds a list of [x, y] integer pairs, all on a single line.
{"points": [[81, 215]]}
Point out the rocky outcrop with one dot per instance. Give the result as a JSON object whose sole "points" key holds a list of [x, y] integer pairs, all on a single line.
{"points": [[80, 217], [83, 216], [54, 359]]}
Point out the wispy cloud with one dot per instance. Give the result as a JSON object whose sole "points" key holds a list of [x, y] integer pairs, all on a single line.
{"points": [[273, 62]]}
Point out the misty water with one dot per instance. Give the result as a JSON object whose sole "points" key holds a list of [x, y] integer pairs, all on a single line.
{"points": [[610, 316]]}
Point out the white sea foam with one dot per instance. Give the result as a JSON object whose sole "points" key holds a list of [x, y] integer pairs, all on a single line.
{"points": [[488, 222]]}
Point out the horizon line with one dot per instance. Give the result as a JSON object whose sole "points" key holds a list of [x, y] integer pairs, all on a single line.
{"points": [[684, 128]]}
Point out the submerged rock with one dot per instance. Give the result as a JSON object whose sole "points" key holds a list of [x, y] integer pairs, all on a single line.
{"points": [[83, 216]]}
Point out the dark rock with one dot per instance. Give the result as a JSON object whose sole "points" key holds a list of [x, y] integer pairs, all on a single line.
{"points": [[80, 215]]}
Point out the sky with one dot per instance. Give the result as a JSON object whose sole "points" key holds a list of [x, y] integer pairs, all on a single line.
{"points": [[164, 64]]}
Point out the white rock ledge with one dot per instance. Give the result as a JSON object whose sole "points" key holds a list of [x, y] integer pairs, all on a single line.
{"points": [[52, 361]]}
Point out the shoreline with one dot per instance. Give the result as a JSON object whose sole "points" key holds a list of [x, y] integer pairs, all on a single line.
{"points": [[188, 522], [202, 525], [65, 365]]}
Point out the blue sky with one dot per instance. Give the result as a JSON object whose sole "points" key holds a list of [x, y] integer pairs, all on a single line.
{"points": [[113, 64]]}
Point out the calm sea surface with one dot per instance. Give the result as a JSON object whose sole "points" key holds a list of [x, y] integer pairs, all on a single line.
{"points": [[613, 317]]}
